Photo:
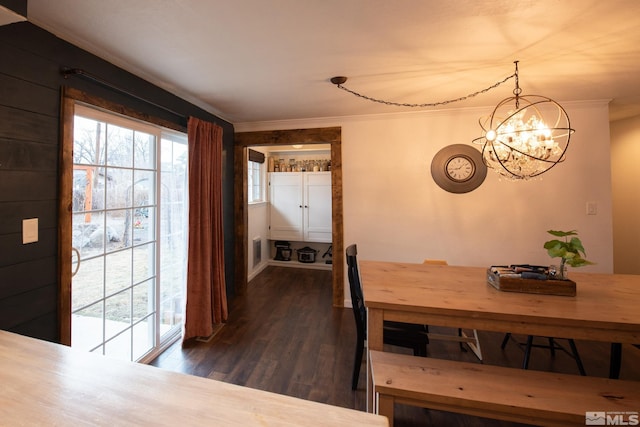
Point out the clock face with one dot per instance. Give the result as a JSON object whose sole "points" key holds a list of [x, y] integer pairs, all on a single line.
{"points": [[460, 168]]}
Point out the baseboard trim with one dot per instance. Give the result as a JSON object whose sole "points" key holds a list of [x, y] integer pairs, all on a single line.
{"points": [[216, 329]]}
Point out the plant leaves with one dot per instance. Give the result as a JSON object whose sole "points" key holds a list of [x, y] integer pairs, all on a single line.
{"points": [[577, 245], [552, 243], [570, 251], [556, 249], [562, 233], [578, 261]]}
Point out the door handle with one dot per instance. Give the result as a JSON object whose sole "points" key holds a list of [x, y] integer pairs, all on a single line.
{"points": [[78, 265]]}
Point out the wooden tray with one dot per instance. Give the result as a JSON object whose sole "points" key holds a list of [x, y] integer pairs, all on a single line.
{"points": [[532, 286]]}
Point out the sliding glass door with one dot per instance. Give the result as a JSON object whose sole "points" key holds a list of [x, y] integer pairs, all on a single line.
{"points": [[129, 226]]}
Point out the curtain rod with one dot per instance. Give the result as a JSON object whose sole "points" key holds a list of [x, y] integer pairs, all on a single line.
{"points": [[66, 72]]}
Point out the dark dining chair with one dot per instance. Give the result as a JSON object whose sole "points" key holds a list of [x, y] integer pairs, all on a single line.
{"points": [[552, 346], [399, 334]]}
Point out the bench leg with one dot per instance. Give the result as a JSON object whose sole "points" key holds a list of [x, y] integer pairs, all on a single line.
{"points": [[385, 407]]}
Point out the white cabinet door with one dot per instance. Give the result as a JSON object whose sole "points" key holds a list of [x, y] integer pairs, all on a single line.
{"points": [[300, 206], [285, 206], [317, 207]]}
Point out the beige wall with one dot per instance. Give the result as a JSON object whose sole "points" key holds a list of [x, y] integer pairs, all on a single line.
{"points": [[394, 211], [625, 178]]}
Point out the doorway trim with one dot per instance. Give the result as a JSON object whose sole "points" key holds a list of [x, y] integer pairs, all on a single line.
{"points": [[243, 140]]}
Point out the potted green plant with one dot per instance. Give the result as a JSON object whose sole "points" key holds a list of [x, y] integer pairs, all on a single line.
{"points": [[570, 251]]}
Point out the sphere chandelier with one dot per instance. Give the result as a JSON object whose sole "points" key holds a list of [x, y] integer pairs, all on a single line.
{"points": [[525, 136]]}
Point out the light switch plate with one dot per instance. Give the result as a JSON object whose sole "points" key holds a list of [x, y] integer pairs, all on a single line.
{"points": [[29, 230]]}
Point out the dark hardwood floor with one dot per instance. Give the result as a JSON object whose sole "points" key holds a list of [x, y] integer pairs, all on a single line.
{"points": [[285, 337]]}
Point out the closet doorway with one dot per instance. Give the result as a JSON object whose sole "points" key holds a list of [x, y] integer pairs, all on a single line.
{"points": [[243, 140]]}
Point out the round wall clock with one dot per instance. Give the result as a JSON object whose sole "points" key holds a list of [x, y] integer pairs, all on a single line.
{"points": [[458, 168]]}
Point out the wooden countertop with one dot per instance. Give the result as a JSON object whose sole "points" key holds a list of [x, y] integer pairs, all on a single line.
{"points": [[42, 383]]}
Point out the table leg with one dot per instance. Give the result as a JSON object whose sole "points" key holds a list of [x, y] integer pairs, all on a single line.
{"points": [[386, 407], [375, 328], [615, 360]]}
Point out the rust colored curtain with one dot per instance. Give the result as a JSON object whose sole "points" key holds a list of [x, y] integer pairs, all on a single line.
{"points": [[206, 296]]}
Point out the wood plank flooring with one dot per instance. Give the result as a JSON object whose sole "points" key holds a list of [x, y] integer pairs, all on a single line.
{"points": [[284, 336]]}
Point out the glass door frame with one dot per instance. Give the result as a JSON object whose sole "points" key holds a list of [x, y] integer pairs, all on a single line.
{"points": [[70, 97]]}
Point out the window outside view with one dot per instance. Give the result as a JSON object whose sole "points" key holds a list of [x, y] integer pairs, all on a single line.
{"points": [[254, 182]]}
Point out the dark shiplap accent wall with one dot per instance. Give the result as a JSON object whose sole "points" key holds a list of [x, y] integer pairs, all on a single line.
{"points": [[30, 87]]}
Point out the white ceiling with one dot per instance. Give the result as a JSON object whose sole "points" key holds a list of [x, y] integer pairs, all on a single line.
{"points": [[264, 60]]}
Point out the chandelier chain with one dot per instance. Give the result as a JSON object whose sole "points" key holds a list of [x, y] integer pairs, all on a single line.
{"points": [[429, 104], [517, 91]]}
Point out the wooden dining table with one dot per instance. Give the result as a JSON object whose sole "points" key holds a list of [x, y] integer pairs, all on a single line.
{"points": [[606, 307], [47, 384]]}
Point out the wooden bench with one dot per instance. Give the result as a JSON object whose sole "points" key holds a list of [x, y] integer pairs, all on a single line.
{"points": [[532, 397]]}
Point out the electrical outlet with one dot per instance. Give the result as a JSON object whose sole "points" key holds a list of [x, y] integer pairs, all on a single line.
{"points": [[592, 208]]}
